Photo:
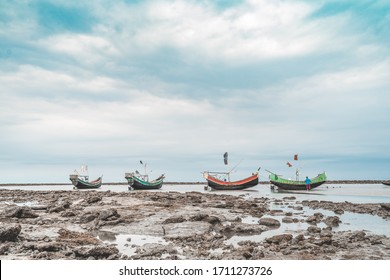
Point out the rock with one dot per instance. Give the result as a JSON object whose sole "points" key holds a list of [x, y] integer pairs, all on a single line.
{"points": [[287, 220], [358, 236], [213, 220], [276, 212], [322, 241], [332, 221], [20, 212], [385, 206], [95, 252], [339, 211], [109, 214], [277, 239], [174, 220], [76, 238], [198, 217], [289, 198], [88, 217], [56, 209], [93, 199], [247, 255], [313, 229], [68, 213], [326, 233], [4, 248], [298, 238], [49, 247], [312, 220], [9, 232], [269, 222]]}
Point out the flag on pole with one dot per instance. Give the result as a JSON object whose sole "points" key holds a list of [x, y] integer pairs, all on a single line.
{"points": [[295, 157], [225, 158], [289, 164]]}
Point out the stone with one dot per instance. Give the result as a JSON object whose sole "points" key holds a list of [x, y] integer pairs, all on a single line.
{"points": [[313, 229], [174, 220], [20, 212], [96, 252], [88, 217], [332, 221], [287, 220], [9, 232], [278, 239], [93, 199], [270, 222], [109, 214]]}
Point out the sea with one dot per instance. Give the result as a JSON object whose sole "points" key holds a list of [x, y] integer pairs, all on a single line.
{"points": [[353, 193]]}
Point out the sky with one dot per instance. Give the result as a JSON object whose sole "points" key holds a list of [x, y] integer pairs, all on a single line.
{"points": [[178, 83]]}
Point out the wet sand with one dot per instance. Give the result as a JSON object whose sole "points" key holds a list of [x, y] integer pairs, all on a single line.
{"points": [[173, 225]]}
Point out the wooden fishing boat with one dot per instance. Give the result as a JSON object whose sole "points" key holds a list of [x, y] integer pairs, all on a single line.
{"points": [[387, 183], [221, 180], [218, 184], [81, 182], [286, 184], [141, 182]]}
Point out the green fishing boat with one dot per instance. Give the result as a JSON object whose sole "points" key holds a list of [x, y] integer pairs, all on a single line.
{"points": [[286, 184], [140, 182]]}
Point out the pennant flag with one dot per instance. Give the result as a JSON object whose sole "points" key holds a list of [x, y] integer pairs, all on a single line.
{"points": [[295, 157], [225, 158], [289, 164]]}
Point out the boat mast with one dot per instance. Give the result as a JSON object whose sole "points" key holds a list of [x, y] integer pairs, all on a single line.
{"points": [[297, 170], [226, 162]]}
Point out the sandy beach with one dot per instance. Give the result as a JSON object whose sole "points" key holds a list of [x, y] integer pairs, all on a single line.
{"points": [[172, 225]]}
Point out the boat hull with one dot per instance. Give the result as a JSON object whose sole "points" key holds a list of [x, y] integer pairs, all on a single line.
{"points": [[387, 183], [217, 184], [139, 184], [292, 185], [82, 185]]}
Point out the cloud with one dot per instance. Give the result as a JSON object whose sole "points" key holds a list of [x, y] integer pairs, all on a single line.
{"points": [[182, 82]]}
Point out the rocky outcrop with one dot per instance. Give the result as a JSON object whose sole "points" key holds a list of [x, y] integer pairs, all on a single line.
{"points": [[9, 232], [269, 222], [173, 225], [20, 212]]}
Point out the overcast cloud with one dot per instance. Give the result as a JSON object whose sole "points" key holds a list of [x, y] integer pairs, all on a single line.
{"points": [[178, 83]]}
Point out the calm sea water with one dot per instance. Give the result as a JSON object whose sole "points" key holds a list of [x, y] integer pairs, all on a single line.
{"points": [[355, 193]]}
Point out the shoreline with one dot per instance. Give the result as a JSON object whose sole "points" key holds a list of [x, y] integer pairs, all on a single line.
{"points": [[142, 225], [192, 183]]}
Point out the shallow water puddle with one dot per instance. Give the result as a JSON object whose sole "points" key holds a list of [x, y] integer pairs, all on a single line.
{"points": [[128, 243], [349, 222], [250, 220]]}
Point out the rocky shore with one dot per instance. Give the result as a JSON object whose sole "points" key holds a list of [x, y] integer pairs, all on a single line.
{"points": [[172, 225]]}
